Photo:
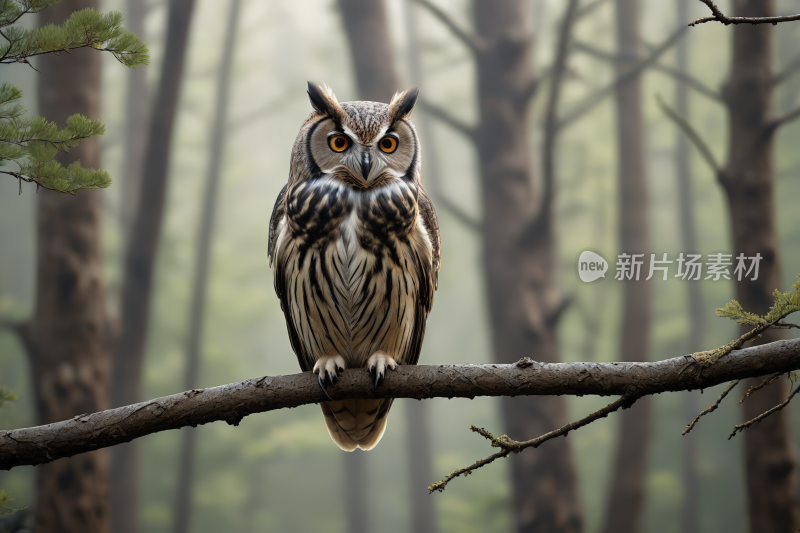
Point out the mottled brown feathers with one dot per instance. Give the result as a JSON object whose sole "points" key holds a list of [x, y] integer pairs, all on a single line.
{"points": [[355, 248]]}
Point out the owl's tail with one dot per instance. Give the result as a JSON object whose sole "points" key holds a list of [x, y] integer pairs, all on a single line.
{"points": [[356, 423]]}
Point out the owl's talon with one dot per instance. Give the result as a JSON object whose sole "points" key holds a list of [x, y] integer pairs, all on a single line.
{"points": [[377, 364], [329, 368]]}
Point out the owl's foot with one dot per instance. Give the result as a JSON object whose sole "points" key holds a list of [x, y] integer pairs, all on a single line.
{"points": [[377, 364], [329, 368]]}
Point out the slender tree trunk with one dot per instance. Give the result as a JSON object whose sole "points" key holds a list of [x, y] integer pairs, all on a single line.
{"points": [[197, 306], [749, 183], [66, 339], [424, 517], [520, 259], [690, 513], [140, 260], [136, 116], [627, 497]]}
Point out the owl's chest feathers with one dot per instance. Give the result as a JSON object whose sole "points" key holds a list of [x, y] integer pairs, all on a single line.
{"points": [[353, 240]]}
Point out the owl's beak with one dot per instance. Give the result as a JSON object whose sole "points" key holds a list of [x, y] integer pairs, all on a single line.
{"points": [[366, 165]]}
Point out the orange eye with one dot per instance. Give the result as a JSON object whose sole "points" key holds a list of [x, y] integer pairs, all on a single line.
{"points": [[338, 143], [388, 145]]}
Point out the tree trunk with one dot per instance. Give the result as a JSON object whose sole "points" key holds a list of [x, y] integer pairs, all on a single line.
{"points": [[519, 262], [690, 512], [140, 260], [749, 183], [66, 339], [627, 496], [197, 306], [137, 110]]}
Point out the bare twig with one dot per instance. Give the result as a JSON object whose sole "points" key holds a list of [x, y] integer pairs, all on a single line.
{"points": [[472, 41], [466, 219], [787, 71], [718, 16], [591, 101], [588, 9], [712, 408], [762, 416], [689, 80], [508, 445], [445, 117], [767, 381], [693, 135]]}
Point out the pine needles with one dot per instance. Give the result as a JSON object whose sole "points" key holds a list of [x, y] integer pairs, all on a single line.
{"points": [[32, 142]]}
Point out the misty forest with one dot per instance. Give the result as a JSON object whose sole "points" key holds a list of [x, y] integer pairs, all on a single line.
{"points": [[611, 347]]}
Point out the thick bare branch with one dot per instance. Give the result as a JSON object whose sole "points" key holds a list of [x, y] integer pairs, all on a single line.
{"points": [[232, 402], [693, 135], [591, 101], [776, 123], [719, 16], [472, 41]]}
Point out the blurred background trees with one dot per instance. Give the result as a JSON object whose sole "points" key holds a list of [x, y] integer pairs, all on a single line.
{"points": [[535, 181]]}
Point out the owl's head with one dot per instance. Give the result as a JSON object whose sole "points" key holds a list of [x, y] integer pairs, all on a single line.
{"points": [[364, 144]]}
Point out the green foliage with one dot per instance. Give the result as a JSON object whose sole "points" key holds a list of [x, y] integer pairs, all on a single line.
{"points": [[33, 142], [786, 303], [6, 395], [5, 510]]}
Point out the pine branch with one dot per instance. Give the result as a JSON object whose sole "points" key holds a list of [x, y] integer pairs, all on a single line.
{"points": [[718, 16], [231, 403]]}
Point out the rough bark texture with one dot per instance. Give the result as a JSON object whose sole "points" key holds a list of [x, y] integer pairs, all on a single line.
{"points": [[232, 402], [197, 305], [749, 182], [627, 495], [140, 261], [66, 339], [367, 30], [519, 262], [690, 512]]}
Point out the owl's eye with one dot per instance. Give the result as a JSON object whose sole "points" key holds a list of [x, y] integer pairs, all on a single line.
{"points": [[388, 144], [338, 143]]}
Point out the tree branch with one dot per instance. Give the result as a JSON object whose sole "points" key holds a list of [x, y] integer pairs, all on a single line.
{"points": [[676, 74], [718, 16], [445, 117], [776, 123], [762, 416], [472, 41], [232, 402], [693, 135], [591, 101]]}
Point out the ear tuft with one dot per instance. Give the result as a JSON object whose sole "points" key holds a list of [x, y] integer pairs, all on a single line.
{"points": [[323, 100], [403, 103]]}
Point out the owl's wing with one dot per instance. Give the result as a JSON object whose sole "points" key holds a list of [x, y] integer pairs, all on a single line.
{"points": [[280, 279], [277, 214], [432, 225], [427, 276]]}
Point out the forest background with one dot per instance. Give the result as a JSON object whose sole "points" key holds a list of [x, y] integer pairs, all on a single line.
{"points": [[280, 469]]}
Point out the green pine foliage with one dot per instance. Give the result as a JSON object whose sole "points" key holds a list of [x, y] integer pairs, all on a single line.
{"points": [[32, 143], [5, 510], [786, 303], [6, 395]]}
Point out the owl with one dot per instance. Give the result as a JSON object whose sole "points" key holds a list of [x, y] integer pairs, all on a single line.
{"points": [[355, 249]]}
